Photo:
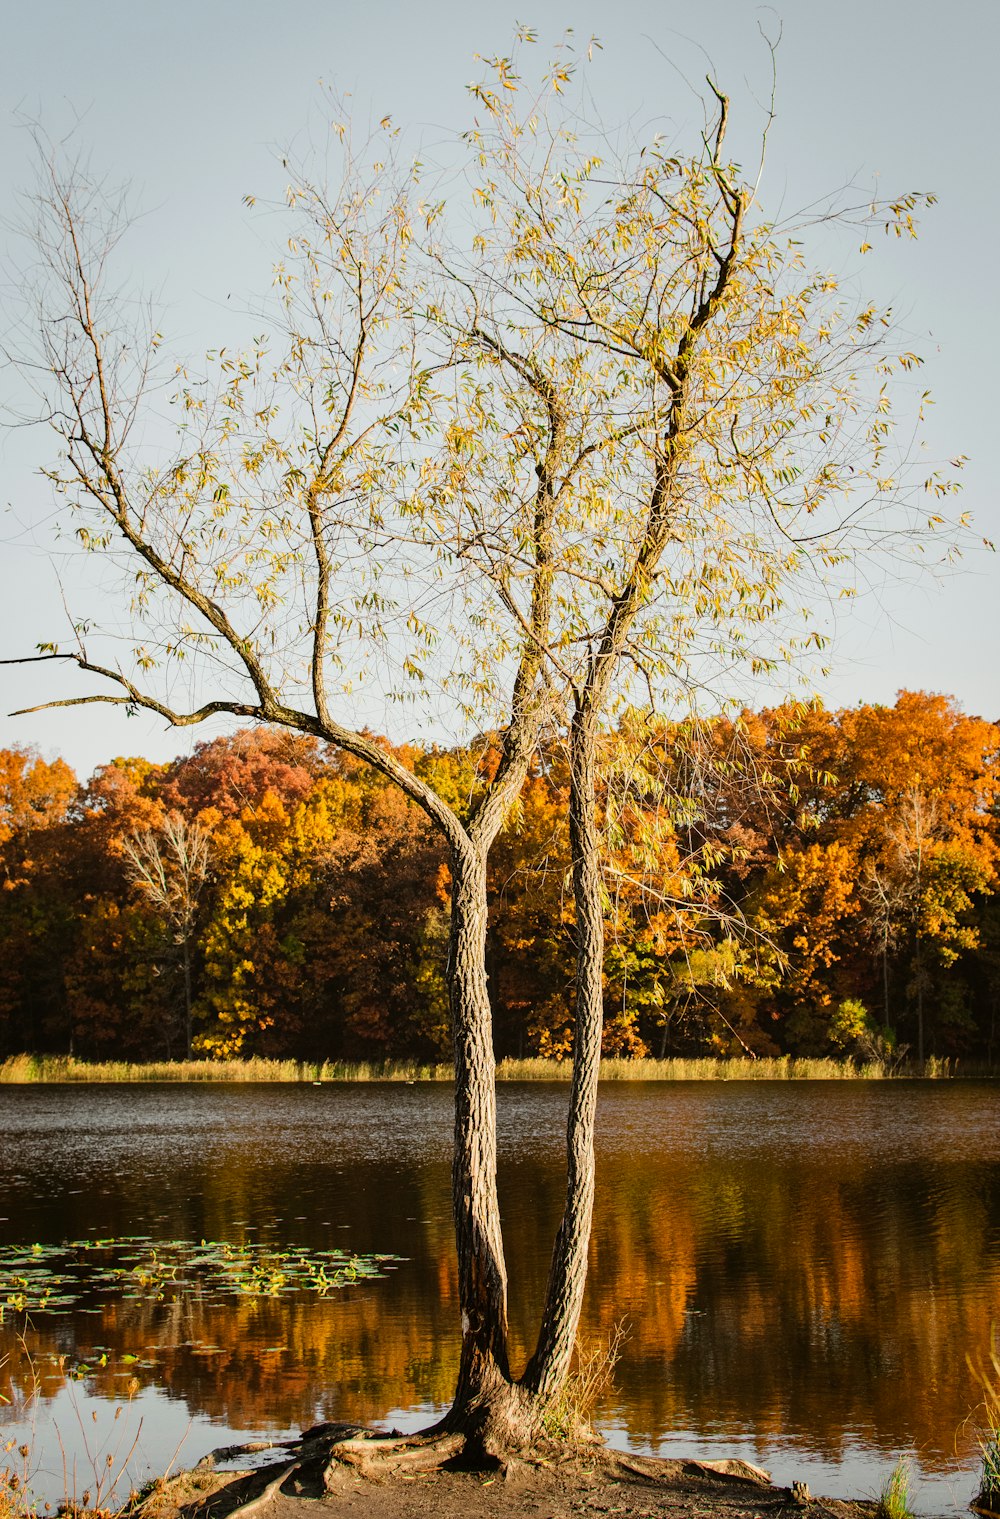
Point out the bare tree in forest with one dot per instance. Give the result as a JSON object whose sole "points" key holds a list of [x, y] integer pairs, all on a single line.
{"points": [[170, 867], [526, 465]]}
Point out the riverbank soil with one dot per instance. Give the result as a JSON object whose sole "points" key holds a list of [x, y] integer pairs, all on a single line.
{"points": [[577, 1484]]}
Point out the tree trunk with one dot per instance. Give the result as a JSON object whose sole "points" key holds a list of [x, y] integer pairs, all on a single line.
{"points": [[550, 1363], [920, 1001], [484, 1374], [186, 963]]}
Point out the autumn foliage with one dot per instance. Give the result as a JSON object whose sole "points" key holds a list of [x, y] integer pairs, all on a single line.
{"points": [[830, 892]]}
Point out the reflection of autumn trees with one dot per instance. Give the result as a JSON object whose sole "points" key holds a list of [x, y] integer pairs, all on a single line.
{"points": [[833, 856], [803, 1294], [761, 1300], [260, 1365]]}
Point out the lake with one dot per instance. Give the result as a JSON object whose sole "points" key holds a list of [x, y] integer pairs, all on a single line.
{"points": [[803, 1269]]}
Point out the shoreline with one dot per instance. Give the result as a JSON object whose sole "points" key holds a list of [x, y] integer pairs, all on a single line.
{"points": [[55, 1070], [574, 1482]]}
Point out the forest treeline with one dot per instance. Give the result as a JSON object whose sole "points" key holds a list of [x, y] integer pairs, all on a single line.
{"points": [[794, 881]]}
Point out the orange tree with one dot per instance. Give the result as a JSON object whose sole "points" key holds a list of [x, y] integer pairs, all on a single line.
{"points": [[918, 784], [516, 461], [37, 904], [870, 850]]}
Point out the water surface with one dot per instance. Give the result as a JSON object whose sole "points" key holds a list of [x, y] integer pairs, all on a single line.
{"points": [[803, 1268]]}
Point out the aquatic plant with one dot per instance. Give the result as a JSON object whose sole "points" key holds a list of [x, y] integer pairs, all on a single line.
{"points": [[56, 1277]]}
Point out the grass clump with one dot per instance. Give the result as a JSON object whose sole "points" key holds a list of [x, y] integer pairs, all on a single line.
{"points": [[895, 1501], [567, 1413], [987, 1499]]}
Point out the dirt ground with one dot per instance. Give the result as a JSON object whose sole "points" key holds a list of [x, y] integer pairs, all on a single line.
{"points": [[589, 1482]]}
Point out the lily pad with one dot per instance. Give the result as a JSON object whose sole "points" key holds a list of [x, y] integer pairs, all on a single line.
{"points": [[135, 1268]]}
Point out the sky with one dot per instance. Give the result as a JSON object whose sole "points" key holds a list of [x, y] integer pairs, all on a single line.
{"points": [[194, 102]]}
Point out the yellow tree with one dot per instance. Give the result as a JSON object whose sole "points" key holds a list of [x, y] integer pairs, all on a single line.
{"points": [[514, 462], [736, 414]]}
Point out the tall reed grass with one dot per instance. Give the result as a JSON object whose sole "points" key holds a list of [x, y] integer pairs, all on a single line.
{"points": [[986, 1419], [779, 1068], [54, 1069], [28, 1069]]}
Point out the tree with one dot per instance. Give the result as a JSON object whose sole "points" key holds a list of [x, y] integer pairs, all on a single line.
{"points": [[917, 788], [33, 795], [588, 448], [234, 772], [169, 868], [804, 913], [37, 906]]}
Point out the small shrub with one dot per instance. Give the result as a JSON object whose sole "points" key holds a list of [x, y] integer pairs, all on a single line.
{"points": [[854, 1032]]}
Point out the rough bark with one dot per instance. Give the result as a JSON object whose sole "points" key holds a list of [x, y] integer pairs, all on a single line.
{"points": [[568, 1270], [482, 1275]]}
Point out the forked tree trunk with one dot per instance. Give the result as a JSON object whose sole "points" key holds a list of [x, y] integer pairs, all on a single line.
{"points": [[550, 1363], [497, 1414]]}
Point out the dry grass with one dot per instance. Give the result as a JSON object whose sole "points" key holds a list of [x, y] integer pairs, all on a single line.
{"points": [[764, 1068], [15, 1457], [568, 1413], [782, 1068], [56, 1069], [99, 1463], [14, 1502]]}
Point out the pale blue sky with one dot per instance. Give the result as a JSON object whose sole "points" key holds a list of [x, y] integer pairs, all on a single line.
{"points": [[191, 101]]}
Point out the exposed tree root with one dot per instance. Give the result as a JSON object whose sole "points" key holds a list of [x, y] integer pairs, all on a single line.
{"points": [[396, 1476], [374, 1455], [270, 1491], [652, 1468]]}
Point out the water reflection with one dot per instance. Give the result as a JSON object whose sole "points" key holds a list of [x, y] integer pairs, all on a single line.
{"points": [[804, 1268]]}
